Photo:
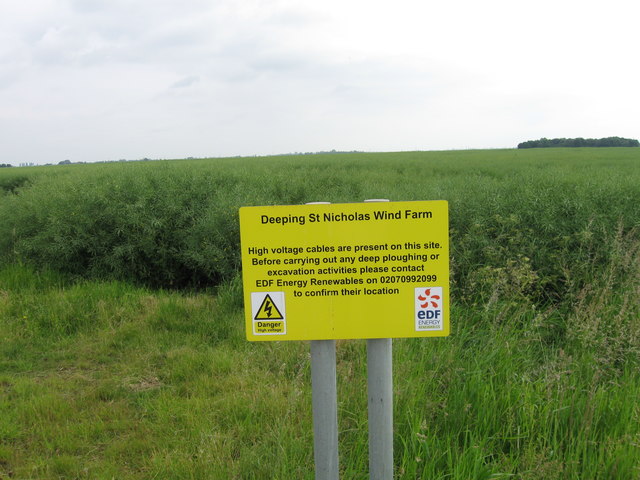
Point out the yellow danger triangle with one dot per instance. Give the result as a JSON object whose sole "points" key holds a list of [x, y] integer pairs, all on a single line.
{"points": [[268, 310]]}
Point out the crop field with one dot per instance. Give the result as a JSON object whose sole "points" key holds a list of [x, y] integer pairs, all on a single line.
{"points": [[122, 347]]}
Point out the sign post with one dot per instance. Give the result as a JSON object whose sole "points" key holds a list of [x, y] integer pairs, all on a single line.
{"points": [[324, 399], [380, 392], [323, 272], [380, 404], [325, 409]]}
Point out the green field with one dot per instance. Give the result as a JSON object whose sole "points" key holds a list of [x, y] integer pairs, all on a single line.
{"points": [[122, 350]]}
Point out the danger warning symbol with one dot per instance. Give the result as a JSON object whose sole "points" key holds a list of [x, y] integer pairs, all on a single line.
{"points": [[268, 312]]}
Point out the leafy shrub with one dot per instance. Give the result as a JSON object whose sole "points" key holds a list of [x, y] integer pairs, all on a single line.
{"points": [[115, 224], [537, 229], [170, 225], [10, 184]]}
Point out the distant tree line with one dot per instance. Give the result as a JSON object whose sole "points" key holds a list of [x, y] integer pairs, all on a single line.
{"points": [[580, 142], [3, 165]]}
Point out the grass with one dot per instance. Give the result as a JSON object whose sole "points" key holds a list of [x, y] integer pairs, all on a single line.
{"points": [[166, 387], [107, 370], [160, 386]]}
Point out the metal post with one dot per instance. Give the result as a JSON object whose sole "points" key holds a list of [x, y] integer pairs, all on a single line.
{"points": [[325, 409], [324, 393], [380, 388]]}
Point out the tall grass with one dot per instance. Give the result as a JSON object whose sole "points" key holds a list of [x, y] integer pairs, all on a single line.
{"points": [[161, 384], [102, 375], [175, 225]]}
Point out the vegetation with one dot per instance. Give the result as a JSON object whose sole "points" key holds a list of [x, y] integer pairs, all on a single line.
{"points": [[580, 142], [123, 352]]}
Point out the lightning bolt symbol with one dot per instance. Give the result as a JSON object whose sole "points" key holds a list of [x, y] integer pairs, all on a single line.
{"points": [[267, 308]]}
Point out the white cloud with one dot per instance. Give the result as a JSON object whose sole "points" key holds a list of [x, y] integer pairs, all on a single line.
{"points": [[100, 79]]}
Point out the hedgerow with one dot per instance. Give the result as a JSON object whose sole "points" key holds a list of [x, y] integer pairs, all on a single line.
{"points": [[526, 223]]}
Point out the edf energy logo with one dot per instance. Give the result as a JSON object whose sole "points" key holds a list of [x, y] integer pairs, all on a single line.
{"points": [[429, 308]]}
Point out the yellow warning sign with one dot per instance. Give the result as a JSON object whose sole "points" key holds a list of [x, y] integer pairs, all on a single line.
{"points": [[357, 270], [268, 310]]}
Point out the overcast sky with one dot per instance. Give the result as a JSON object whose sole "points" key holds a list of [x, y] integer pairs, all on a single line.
{"points": [[90, 80]]}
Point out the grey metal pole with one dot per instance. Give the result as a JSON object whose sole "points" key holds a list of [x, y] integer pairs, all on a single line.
{"points": [[325, 409], [380, 389], [324, 393]]}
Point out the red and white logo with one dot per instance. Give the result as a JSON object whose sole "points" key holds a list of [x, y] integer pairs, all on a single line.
{"points": [[428, 301]]}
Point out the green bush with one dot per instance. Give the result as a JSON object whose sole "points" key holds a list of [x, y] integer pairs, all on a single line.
{"points": [[163, 228], [538, 222]]}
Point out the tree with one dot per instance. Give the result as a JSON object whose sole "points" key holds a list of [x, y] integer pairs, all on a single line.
{"points": [[580, 142]]}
